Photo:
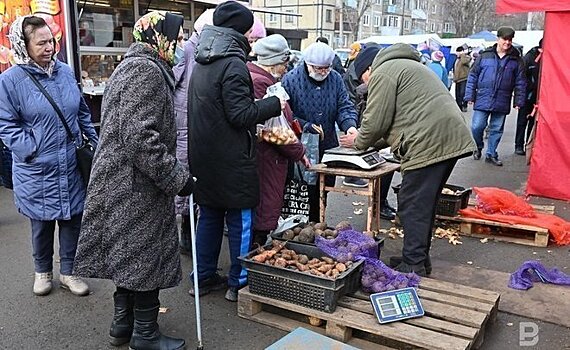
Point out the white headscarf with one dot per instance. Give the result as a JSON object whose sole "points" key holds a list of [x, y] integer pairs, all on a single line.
{"points": [[21, 56]]}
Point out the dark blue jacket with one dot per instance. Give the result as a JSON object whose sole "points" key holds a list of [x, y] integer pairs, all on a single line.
{"points": [[322, 103], [492, 80]]}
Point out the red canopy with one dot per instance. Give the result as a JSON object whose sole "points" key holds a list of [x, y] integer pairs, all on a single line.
{"points": [[549, 174]]}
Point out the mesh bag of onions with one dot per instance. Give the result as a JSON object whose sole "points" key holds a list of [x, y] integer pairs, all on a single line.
{"points": [[351, 245]]}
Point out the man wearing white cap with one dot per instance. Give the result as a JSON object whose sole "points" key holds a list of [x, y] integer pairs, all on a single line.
{"points": [[319, 100]]}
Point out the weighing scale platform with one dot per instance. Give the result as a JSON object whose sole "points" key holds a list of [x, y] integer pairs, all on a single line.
{"points": [[396, 305], [343, 157], [303, 339]]}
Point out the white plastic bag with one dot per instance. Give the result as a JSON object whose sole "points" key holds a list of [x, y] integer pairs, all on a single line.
{"points": [[277, 130]]}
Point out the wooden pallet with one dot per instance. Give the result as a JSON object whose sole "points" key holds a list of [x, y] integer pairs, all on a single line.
{"points": [[455, 318], [500, 231]]}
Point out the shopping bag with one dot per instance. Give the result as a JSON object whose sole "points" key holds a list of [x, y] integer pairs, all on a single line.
{"points": [[296, 195], [277, 129], [311, 143]]}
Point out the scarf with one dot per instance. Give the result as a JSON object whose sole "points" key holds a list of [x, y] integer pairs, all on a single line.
{"points": [[21, 56], [159, 30]]}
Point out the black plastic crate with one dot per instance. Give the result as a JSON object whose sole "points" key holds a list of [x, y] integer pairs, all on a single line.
{"points": [[449, 204], [279, 236], [315, 292]]}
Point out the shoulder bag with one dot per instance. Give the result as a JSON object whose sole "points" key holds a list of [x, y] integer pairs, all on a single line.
{"points": [[84, 151]]}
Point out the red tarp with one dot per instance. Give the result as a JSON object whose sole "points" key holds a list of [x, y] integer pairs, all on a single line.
{"points": [[513, 6], [549, 174]]}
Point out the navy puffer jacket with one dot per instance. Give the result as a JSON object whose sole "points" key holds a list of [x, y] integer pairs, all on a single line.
{"points": [[492, 80]]}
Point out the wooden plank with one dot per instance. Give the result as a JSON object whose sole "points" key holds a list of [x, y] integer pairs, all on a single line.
{"points": [[534, 239], [398, 331], [286, 324], [454, 314], [424, 322], [456, 301], [547, 209], [381, 170], [493, 223], [338, 331], [460, 290]]}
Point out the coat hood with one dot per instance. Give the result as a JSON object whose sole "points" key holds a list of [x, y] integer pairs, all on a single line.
{"points": [[219, 42], [396, 51]]}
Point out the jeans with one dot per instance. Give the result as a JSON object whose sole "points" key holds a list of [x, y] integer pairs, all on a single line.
{"points": [[209, 236], [496, 126], [42, 243], [417, 201], [524, 126]]}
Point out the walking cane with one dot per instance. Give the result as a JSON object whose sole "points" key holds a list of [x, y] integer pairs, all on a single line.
{"points": [[195, 274]]}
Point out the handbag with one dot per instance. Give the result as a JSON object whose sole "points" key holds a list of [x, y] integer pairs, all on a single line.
{"points": [[84, 151], [296, 195]]}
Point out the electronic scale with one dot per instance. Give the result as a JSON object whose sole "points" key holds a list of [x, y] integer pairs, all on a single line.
{"points": [[396, 305], [342, 157]]}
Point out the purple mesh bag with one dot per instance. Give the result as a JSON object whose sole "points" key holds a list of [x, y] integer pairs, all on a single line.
{"points": [[533, 271], [352, 245]]}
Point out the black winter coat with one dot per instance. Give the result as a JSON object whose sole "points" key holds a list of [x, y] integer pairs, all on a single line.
{"points": [[222, 118]]}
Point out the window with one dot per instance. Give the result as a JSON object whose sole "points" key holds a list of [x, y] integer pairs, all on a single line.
{"points": [[447, 28], [393, 21], [272, 18], [289, 18], [391, 2], [406, 24], [105, 26], [432, 27], [416, 5], [328, 16], [434, 9], [385, 21], [378, 2], [366, 20], [376, 21]]}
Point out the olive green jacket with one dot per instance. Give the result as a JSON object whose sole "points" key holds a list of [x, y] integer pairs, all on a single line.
{"points": [[412, 111]]}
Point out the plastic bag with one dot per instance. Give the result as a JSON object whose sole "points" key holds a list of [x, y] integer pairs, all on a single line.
{"points": [[311, 143], [277, 129]]}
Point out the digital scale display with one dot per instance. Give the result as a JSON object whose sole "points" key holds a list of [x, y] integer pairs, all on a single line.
{"points": [[396, 305]]}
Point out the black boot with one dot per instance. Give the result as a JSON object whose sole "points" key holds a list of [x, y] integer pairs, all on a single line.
{"points": [[146, 335], [122, 325], [397, 260]]}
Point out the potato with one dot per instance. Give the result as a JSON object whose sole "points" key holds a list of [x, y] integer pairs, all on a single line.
{"points": [[288, 235], [328, 232], [297, 230], [303, 259], [319, 232], [307, 231], [320, 226], [343, 225]]}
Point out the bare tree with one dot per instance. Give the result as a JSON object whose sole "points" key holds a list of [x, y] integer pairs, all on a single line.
{"points": [[538, 20], [469, 16], [361, 7]]}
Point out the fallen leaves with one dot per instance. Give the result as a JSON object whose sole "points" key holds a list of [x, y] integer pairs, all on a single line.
{"points": [[451, 235], [392, 232], [358, 211], [163, 310]]}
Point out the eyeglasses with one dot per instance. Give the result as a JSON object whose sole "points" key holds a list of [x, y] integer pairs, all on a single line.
{"points": [[321, 69]]}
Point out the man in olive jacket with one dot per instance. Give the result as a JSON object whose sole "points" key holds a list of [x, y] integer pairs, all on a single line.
{"points": [[222, 118], [427, 132]]}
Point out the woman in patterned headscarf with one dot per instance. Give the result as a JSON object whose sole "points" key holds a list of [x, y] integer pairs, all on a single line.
{"points": [[129, 232], [47, 184]]}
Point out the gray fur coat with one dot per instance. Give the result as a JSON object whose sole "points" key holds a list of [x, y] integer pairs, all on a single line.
{"points": [[129, 232]]}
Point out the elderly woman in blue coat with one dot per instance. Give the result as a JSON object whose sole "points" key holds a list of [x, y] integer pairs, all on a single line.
{"points": [[48, 188]]}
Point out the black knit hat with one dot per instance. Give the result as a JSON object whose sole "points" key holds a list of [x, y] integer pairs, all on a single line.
{"points": [[506, 33], [231, 14], [365, 59]]}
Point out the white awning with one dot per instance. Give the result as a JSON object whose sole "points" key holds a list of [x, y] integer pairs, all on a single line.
{"points": [[252, 8]]}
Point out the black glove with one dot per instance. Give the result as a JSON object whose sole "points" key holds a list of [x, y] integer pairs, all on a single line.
{"points": [[188, 188]]}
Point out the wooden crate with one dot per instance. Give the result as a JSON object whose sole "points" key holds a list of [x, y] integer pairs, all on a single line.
{"points": [[455, 318], [500, 231]]}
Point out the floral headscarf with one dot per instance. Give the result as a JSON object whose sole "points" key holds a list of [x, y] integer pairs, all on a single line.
{"points": [[159, 30]]}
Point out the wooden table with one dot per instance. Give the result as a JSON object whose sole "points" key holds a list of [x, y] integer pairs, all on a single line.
{"points": [[372, 192]]}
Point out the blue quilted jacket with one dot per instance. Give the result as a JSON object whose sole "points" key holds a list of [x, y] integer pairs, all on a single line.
{"points": [[47, 184], [492, 80], [321, 103]]}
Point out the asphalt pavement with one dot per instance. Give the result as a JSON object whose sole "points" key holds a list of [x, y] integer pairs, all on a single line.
{"points": [[64, 321]]}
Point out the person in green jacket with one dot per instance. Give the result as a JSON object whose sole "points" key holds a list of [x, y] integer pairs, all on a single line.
{"points": [[428, 134]]}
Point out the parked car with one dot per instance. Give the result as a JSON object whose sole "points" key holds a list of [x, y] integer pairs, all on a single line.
{"points": [[343, 55]]}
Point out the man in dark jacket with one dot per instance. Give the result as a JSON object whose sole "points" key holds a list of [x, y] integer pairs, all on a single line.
{"points": [[460, 74], [525, 118], [222, 118], [319, 100], [496, 73]]}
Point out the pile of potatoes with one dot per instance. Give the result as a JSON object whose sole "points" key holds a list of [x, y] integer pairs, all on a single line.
{"points": [[306, 233], [279, 256]]}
